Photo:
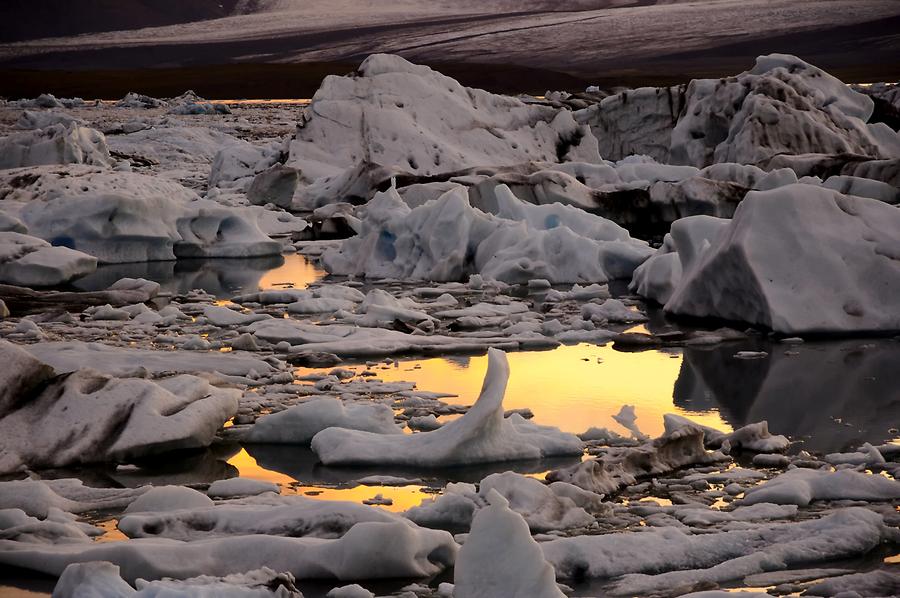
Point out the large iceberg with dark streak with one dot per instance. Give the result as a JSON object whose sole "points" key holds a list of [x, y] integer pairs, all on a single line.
{"points": [[783, 106], [406, 117]]}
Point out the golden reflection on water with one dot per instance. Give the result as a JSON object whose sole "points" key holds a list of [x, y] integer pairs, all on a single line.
{"points": [[111, 532], [571, 387], [296, 272], [404, 497]]}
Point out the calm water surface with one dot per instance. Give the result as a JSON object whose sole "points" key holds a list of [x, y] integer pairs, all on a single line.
{"points": [[828, 396]]}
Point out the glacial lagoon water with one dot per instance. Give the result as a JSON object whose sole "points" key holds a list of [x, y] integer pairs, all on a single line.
{"points": [[828, 396]]}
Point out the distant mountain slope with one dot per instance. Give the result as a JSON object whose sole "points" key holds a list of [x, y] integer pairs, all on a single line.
{"points": [[22, 20], [518, 44]]}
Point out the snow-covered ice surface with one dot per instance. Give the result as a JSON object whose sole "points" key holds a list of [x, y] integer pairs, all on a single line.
{"points": [[260, 426]]}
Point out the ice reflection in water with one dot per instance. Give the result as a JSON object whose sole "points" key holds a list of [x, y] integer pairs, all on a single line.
{"points": [[298, 471], [834, 395], [403, 497], [223, 278]]}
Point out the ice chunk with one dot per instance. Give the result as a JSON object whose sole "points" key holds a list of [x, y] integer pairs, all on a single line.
{"points": [[628, 420], [448, 240], [781, 106], [240, 487], [500, 558], [102, 580], [266, 514], [86, 417], [755, 437], [359, 554], [169, 498], [623, 466], [659, 276], [44, 118], [39, 497], [851, 185], [300, 423], [138, 100], [128, 217], [21, 376], [557, 506], [802, 486], [68, 356], [55, 144], [481, 435], [711, 436], [352, 591], [223, 316], [408, 118], [611, 311], [879, 582], [658, 560]]}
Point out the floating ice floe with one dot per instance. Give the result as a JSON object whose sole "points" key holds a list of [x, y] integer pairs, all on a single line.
{"points": [[169, 498], [127, 217], [55, 144], [262, 514], [300, 423], [620, 467], [865, 455], [878, 582], [660, 560], [38, 498], [481, 435], [794, 247], [103, 579], [31, 262], [500, 558], [86, 416], [304, 338], [545, 507], [756, 438], [359, 554], [138, 100], [448, 240], [238, 487], [69, 356], [802, 486]]}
